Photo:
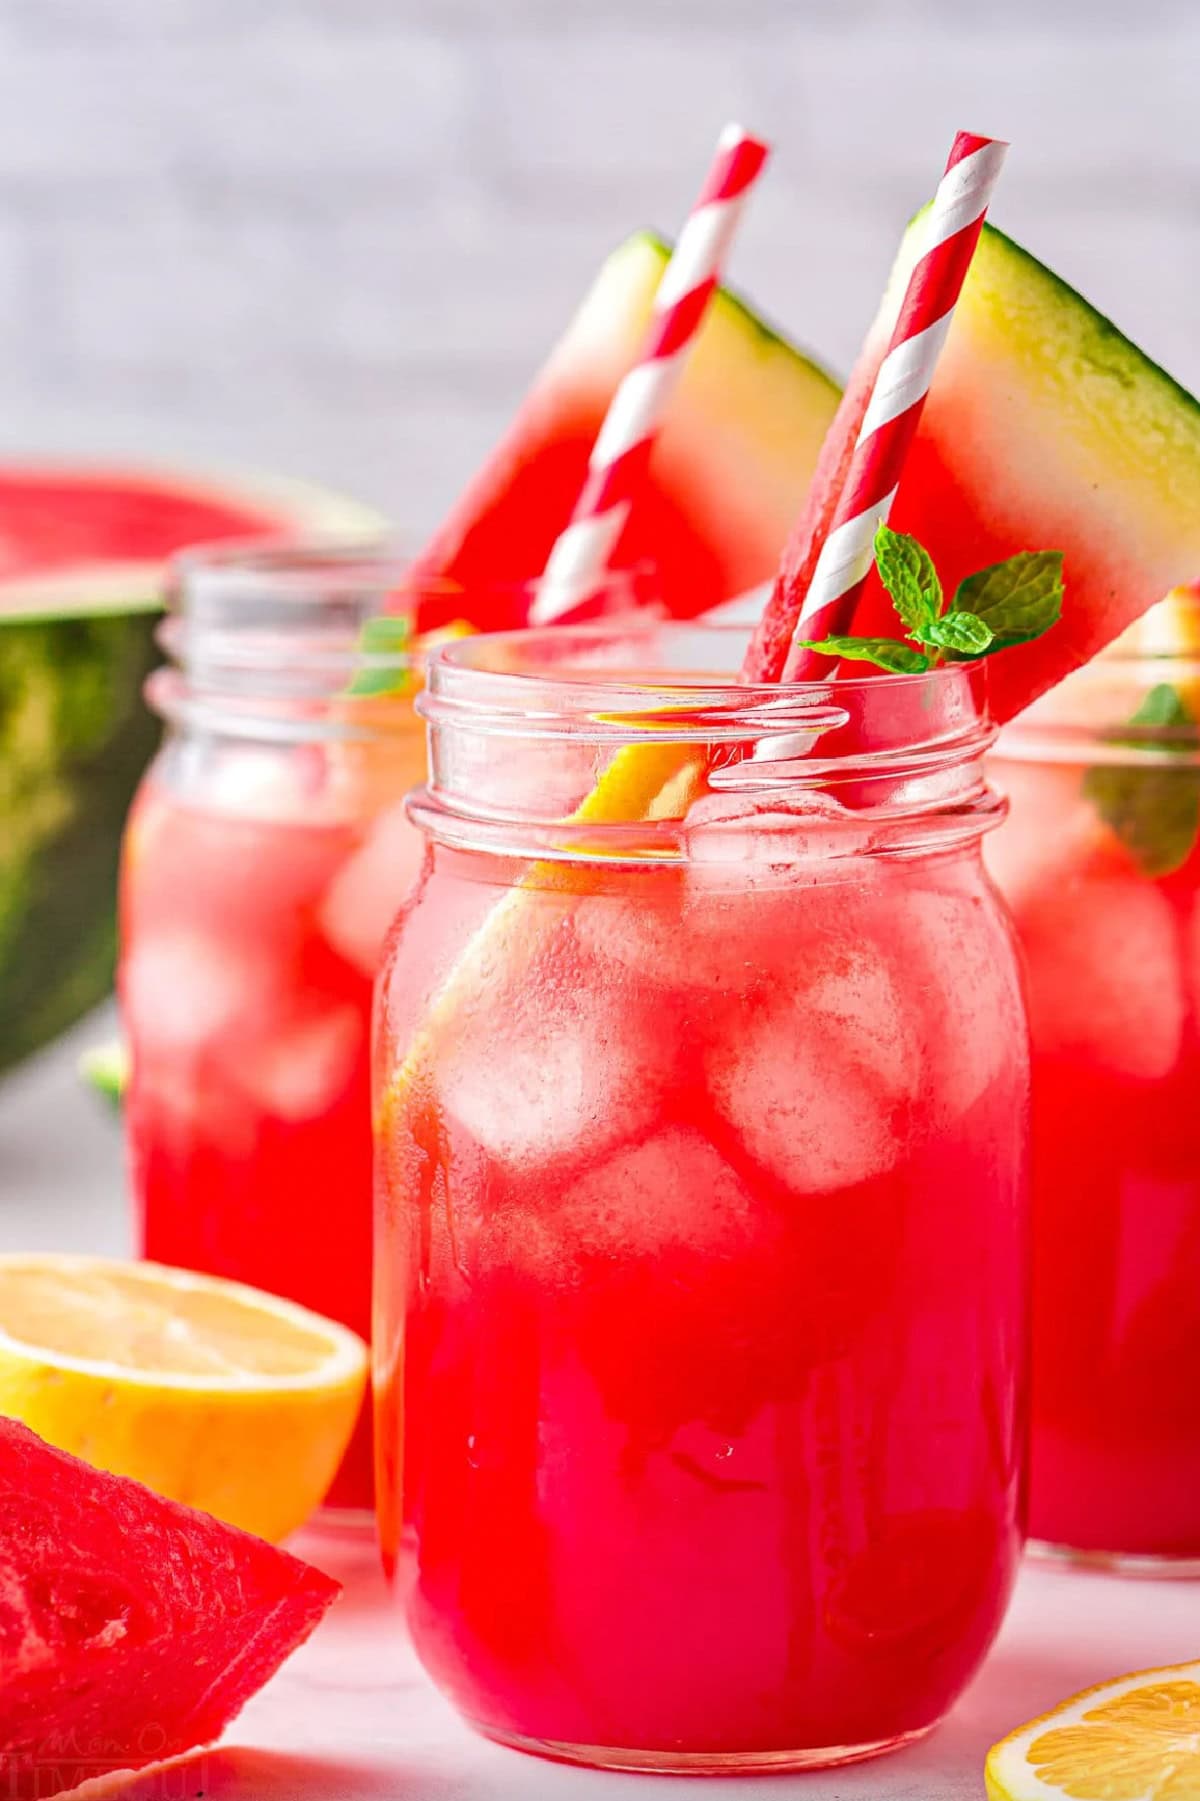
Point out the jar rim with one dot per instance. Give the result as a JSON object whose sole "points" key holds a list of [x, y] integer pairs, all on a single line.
{"points": [[260, 635], [599, 680], [299, 571], [523, 726], [245, 606], [292, 572]]}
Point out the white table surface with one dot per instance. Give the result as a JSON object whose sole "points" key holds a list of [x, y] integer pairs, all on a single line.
{"points": [[351, 1717]]}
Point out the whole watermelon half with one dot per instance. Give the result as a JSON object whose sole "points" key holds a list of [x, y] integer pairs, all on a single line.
{"points": [[81, 560]]}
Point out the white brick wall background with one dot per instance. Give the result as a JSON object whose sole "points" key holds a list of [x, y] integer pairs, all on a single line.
{"points": [[335, 236]]}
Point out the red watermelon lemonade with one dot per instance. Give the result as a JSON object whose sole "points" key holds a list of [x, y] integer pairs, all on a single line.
{"points": [[700, 1316], [265, 858], [1099, 862], [1046, 427]]}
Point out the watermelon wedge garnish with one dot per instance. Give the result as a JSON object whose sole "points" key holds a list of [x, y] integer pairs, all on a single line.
{"points": [[1045, 428], [82, 550], [728, 471], [131, 1628]]}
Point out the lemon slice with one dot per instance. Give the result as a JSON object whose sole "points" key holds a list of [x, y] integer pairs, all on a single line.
{"points": [[1134, 1739], [217, 1395]]}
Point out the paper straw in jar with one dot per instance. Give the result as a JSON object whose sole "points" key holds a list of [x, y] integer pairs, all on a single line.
{"points": [[952, 227], [623, 446]]}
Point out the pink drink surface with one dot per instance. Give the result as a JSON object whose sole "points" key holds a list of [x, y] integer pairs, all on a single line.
{"points": [[1113, 962], [249, 941], [700, 1303]]}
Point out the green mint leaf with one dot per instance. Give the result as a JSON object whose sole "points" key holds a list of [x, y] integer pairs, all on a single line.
{"points": [[386, 635], [965, 634], [1164, 709], [889, 653], [1019, 599], [907, 572], [1154, 812]]}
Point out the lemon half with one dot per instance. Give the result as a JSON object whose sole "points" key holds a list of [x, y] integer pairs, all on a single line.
{"points": [[214, 1394]]}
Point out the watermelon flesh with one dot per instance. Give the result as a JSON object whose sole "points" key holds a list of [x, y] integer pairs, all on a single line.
{"points": [[131, 1628], [1045, 429], [79, 539], [727, 473], [65, 522]]}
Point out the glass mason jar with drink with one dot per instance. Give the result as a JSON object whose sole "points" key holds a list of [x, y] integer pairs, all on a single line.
{"points": [[1099, 864], [701, 1103], [265, 858]]}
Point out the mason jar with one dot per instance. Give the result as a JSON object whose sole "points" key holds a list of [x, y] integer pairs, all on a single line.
{"points": [[1098, 862], [701, 1087], [265, 857]]}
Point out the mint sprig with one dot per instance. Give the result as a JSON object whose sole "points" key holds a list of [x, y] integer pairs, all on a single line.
{"points": [[1008, 603], [1154, 812], [383, 635], [907, 572], [889, 653], [960, 633], [1018, 599]]}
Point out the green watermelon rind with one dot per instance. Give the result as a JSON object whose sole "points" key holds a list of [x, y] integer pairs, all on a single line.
{"points": [[1118, 435], [74, 739], [1107, 334]]}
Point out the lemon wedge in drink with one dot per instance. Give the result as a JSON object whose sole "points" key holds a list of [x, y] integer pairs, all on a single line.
{"points": [[643, 781], [1134, 1739], [230, 1400]]}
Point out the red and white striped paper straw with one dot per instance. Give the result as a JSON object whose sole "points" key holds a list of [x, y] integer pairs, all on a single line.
{"points": [[952, 228], [635, 415]]}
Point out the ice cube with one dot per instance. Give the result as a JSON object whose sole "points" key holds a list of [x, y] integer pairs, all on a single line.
{"points": [[228, 877], [366, 894], [1105, 979], [765, 828], [304, 1069], [956, 956], [720, 928], [810, 1076], [281, 784], [669, 1192], [771, 881], [641, 928], [1052, 828], [668, 1197], [857, 1003], [182, 992], [556, 1057]]}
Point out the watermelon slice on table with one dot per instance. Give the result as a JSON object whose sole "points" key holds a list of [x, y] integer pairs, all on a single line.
{"points": [[1045, 428], [131, 1628], [728, 471], [81, 559]]}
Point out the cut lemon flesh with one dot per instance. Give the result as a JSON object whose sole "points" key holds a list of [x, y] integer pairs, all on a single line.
{"points": [[1134, 1739], [230, 1400]]}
